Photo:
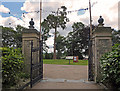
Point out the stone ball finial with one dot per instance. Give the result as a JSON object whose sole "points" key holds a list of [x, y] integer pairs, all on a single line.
{"points": [[101, 20], [31, 24]]}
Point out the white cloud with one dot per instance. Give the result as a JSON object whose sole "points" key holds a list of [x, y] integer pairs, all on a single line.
{"points": [[10, 21], [50, 43], [30, 6], [107, 8], [33, 5], [1, 20], [4, 9]]}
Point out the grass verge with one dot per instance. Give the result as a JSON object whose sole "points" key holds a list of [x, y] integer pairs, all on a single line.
{"points": [[64, 62]]}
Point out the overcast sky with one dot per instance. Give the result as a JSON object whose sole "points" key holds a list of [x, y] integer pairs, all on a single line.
{"points": [[107, 8]]}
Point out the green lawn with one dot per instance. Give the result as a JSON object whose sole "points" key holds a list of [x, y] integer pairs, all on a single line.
{"points": [[64, 62]]}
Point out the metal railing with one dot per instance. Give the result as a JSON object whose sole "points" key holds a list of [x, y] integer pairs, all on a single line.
{"points": [[36, 70]]}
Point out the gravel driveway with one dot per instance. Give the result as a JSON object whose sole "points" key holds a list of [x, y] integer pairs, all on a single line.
{"points": [[65, 77]]}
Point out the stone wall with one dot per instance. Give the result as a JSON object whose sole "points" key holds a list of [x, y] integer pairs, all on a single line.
{"points": [[101, 44]]}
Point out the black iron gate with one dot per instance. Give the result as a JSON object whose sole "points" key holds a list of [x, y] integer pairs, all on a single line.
{"points": [[36, 71]]}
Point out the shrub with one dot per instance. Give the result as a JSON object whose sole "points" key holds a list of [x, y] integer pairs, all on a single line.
{"points": [[23, 75], [12, 65], [110, 64]]}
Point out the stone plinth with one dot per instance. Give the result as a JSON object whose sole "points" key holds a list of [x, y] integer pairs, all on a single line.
{"points": [[102, 43], [29, 35]]}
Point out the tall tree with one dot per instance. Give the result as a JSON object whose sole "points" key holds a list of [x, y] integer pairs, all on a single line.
{"points": [[56, 21], [77, 41], [60, 45]]}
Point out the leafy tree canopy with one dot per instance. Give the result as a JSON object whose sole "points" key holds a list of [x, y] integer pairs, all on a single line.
{"points": [[12, 37]]}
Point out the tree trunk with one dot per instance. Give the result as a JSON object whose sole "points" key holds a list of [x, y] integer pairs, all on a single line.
{"points": [[54, 56]]}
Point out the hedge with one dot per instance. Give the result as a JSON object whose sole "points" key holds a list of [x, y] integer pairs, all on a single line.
{"points": [[110, 64], [12, 66]]}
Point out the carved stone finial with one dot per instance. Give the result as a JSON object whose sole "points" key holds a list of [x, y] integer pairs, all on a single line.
{"points": [[100, 21], [31, 24]]}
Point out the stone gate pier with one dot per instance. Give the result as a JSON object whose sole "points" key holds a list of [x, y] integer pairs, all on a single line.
{"points": [[29, 35], [101, 43]]}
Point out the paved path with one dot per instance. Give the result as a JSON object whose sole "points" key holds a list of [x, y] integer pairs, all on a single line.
{"points": [[65, 77]]}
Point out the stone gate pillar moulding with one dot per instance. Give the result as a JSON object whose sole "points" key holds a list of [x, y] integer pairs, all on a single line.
{"points": [[102, 43], [29, 35]]}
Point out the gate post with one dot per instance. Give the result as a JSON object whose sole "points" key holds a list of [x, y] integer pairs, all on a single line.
{"points": [[102, 43], [29, 35]]}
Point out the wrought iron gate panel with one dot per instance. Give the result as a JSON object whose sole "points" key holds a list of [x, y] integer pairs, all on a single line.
{"points": [[36, 71]]}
